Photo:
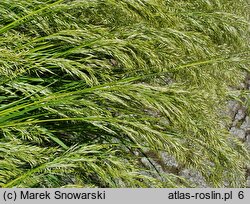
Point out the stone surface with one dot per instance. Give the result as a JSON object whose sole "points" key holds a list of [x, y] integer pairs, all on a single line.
{"points": [[246, 124], [194, 177], [238, 132], [241, 123], [240, 115], [169, 160]]}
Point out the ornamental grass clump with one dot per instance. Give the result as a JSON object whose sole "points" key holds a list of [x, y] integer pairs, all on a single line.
{"points": [[91, 89]]}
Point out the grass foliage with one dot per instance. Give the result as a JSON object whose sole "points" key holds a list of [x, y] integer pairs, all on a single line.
{"points": [[89, 87]]}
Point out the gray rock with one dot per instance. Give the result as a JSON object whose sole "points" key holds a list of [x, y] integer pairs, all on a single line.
{"points": [[147, 163], [248, 139], [240, 115], [194, 177], [233, 107], [238, 132], [246, 124], [169, 160]]}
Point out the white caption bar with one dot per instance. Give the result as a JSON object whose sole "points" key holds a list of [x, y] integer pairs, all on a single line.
{"points": [[124, 196]]}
